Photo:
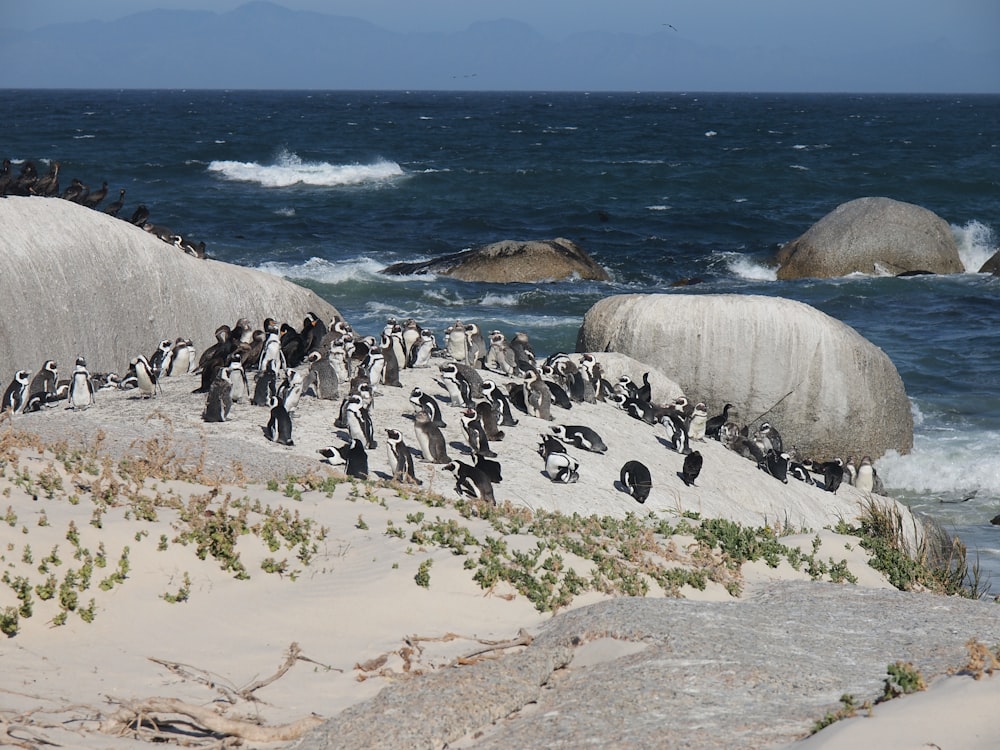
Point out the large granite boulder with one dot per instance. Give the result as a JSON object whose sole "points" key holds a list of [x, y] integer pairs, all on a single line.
{"points": [[877, 236], [992, 265], [829, 391], [511, 261], [78, 282]]}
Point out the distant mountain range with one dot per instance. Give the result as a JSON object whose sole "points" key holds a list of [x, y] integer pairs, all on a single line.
{"points": [[261, 45]]}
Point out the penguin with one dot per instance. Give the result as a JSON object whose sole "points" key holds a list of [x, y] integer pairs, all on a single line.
{"points": [[714, 425], [390, 363], [313, 332], [636, 480], [691, 468], [581, 436], [340, 360], [501, 403], [279, 427], [499, 357], [524, 355], [777, 464], [471, 482], [81, 387], [537, 397], [374, 365], [428, 404], [352, 455], [272, 356], [146, 380], [265, 387], [15, 398], [321, 379], [159, 361], [561, 468], [457, 342], [182, 360], [239, 386], [728, 435], [550, 444], [676, 433], [476, 357], [798, 471], [627, 387], [558, 394], [421, 351], [459, 390], [476, 434], [430, 439], [868, 479], [850, 471], [410, 333], [400, 458], [43, 385], [490, 468], [645, 391], [219, 401], [394, 336], [489, 418], [290, 390], [698, 423], [833, 474], [359, 424], [770, 437]]}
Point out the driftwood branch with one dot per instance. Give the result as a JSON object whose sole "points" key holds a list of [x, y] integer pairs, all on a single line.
{"points": [[129, 717]]}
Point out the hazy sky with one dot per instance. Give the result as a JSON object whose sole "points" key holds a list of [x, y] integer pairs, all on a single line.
{"points": [[827, 26]]}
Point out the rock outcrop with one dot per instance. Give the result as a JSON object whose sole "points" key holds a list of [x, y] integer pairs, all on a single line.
{"points": [[511, 261], [828, 390], [79, 282], [992, 265], [877, 236]]}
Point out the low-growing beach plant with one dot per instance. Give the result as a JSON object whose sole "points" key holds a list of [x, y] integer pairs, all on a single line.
{"points": [[423, 576], [903, 678], [848, 708], [182, 593]]}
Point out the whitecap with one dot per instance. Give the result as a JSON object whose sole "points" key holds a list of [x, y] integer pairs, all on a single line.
{"points": [[501, 300], [976, 244], [288, 169], [658, 207], [799, 166], [284, 211], [325, 272], [710, 133], [750, 269]]}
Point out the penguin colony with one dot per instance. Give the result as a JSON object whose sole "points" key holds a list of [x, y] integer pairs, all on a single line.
{"points": [[294, 368], [27, 182]]}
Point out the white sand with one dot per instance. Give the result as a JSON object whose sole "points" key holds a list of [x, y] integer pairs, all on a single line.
{"points": [[357, 602]]}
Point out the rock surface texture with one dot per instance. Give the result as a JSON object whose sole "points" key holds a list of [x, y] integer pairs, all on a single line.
{"points": [[79, 282], [877, 236], [675, 673], [511, 261], [829, 391]]}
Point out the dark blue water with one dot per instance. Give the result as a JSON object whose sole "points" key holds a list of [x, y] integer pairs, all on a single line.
{"points": [[330, 187]]}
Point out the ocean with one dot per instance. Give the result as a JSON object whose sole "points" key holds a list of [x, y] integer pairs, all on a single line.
{"points": [[327, 188]]}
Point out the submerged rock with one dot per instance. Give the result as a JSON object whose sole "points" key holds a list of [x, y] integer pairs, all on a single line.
{"points": [[511, 261], [828, 390], [80, 282], [877, 236]]}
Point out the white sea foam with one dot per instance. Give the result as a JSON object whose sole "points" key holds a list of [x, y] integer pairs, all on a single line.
{"points": [[288, 169], [976, 244], [658, 207], [946, 464], [325, 272], [288, 211], [501, 300], [750, 269]]}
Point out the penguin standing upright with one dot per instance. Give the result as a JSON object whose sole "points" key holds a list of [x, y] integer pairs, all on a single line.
{"points": [[15, 398], [279, 426], [81, 389], [537, 397], [698, 423], [219, 401], [359, 424], [159, 362], [182, 360], [430, 439], [42, 388], [475, 434], [146, 380], [321, 379], [239, 386], [501, 403], [400, 458], [692, 467]]}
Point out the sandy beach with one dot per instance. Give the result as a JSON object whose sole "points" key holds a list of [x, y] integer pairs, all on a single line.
{"points": [[167, 563]]}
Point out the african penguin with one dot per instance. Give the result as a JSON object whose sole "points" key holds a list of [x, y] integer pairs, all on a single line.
{"points": [[636, 480]]}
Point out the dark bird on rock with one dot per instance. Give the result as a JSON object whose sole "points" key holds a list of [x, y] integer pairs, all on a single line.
{"points": [[714, 424], [93, 199], [114, 207]]}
